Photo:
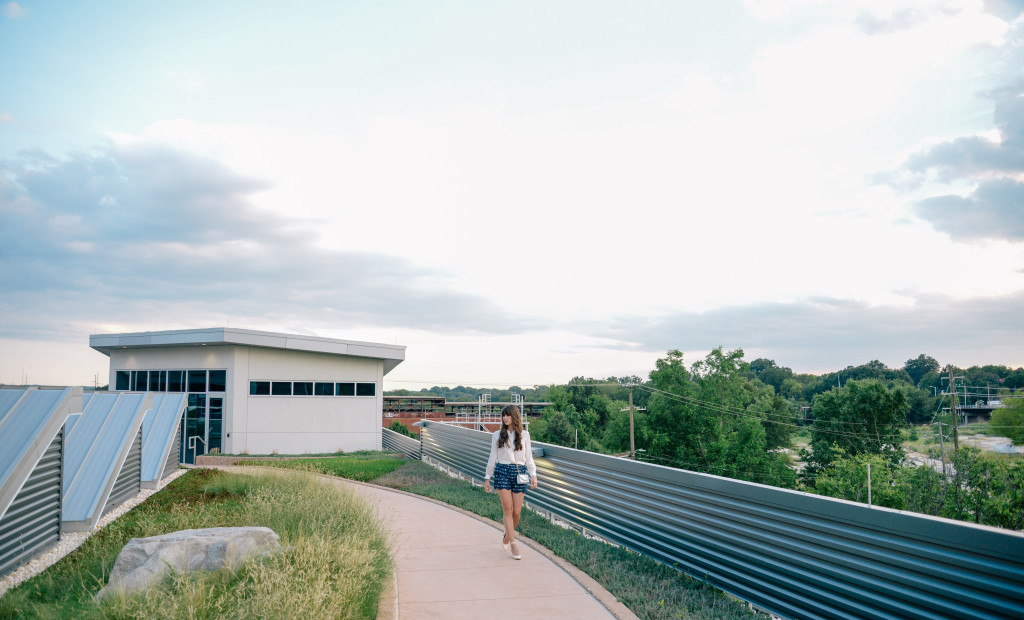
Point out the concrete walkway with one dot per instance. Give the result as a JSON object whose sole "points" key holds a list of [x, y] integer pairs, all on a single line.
{"points": [[450, 564]]}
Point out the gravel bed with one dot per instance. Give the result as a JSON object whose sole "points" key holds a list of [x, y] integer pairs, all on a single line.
{"points": [[71, 541]]}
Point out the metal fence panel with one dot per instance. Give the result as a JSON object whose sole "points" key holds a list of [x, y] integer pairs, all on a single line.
{"points": [[32, 522], [397, 442], [794, 554]]}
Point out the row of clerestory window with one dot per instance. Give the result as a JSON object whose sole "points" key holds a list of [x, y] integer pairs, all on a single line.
{"points": [[171, 380], [311, 388]]}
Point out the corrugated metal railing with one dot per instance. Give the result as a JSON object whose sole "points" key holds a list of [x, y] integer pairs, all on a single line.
{"points": [[397, 442], [794, 554], [33, 519]]}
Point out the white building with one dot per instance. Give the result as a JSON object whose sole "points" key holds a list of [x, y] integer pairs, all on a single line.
{"points": [[259, 392]]}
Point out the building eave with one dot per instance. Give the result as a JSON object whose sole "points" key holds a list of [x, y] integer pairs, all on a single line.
{"points": [[391, 355]]}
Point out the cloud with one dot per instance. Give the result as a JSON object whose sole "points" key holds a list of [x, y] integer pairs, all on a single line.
{"points": [[995, 210], [13, 10], [143, 233], [971, 157], [6, 117], [983, 174], [815, 334]]}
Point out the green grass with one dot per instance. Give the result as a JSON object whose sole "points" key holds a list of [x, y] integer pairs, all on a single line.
{"points": [[335, 564], [356, 454], [364, 466], [648, 588]]}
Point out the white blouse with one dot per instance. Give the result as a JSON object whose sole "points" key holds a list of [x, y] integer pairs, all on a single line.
{"points": [[508, 456]]}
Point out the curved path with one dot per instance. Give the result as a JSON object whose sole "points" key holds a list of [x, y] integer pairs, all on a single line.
{"points": [[450, 564]]}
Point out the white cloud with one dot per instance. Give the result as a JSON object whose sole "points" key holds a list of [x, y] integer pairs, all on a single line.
{"points": [[6, 117], [773, 9], [837, 75], [14, 10]]}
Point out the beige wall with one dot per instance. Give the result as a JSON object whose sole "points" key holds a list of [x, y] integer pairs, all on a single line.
{"points": [[287, 424]]}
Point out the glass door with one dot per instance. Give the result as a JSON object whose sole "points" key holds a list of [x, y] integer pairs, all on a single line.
{"points": [[216, 419], [194, 438]]}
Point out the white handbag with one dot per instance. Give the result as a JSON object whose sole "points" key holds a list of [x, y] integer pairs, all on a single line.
{"points": [[521, 477]]}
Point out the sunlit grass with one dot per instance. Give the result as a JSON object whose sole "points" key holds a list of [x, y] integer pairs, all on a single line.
{"points": [[335, 561], [355, 467]]}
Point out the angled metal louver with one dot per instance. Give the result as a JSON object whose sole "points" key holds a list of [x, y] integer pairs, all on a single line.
{"points": [[103, 457], [160, 438], [31, 424]]}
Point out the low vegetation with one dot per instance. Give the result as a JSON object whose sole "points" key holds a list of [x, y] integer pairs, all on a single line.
{"points": [[650, 589], [335, 564], [360, 466]]}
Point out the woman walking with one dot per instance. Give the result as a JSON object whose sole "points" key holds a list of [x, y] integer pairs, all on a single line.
{"points": [[510, 456]]}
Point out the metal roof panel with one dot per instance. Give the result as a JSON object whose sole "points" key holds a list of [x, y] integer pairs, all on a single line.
{"points": [[159, 427], [99, 441], [31, 420]]}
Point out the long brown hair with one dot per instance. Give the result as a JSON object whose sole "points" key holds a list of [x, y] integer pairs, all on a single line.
{"points": [[517, 426]]}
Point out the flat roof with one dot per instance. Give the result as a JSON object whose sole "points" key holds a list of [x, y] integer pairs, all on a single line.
{"points": [[391, 354]]}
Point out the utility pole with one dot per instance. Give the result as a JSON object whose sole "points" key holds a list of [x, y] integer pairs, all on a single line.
{"points": [[632, 444], [954, 407], [956, 412], [942, 451]]}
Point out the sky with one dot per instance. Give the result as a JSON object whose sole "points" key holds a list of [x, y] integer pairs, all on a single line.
{"points": [[518, 192]]}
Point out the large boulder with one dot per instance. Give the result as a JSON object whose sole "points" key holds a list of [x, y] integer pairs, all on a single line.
{"points": [[145, 561]]}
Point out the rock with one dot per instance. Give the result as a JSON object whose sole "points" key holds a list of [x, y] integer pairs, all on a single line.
{"points": [[145, 561]]}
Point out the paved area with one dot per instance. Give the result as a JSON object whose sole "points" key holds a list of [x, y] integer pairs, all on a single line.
{"points": [[451, 565]]}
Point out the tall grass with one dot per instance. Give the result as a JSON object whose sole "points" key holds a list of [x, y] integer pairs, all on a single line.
{"points": [[335, 562]]}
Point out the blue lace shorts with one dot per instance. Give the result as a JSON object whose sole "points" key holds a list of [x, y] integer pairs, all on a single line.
{"points": [[505, 477]]}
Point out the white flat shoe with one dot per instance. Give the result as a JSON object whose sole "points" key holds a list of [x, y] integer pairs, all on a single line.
{"points": [[515, 554]]}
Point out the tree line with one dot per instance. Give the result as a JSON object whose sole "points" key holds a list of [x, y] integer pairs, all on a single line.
{"points": [[725, 416]]}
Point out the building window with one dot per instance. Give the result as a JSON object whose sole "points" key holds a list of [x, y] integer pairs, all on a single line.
{"points": [[157, 380], [122, 380], [324, 389], [366, 389], [259, 388], [197, 381], [302, 388], [346, 389], [281, 388], [175, 380], [218, 380], [140, 380]]}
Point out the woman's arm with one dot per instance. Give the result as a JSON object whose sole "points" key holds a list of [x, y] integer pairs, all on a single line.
{"points": [[493, 458], [528, 448]]}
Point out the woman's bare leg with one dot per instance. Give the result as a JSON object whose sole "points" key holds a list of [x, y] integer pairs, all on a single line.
{"points": [[506, 514], [517, 508]]}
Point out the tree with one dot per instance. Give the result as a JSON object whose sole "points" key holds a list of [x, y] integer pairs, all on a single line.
{"points": [[862, 417], [714, 419], [921, 404], [675, 425], [1008, 421], [398, 427], [1015, 379], [847, 478], [920, 366], [771, 374]]}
